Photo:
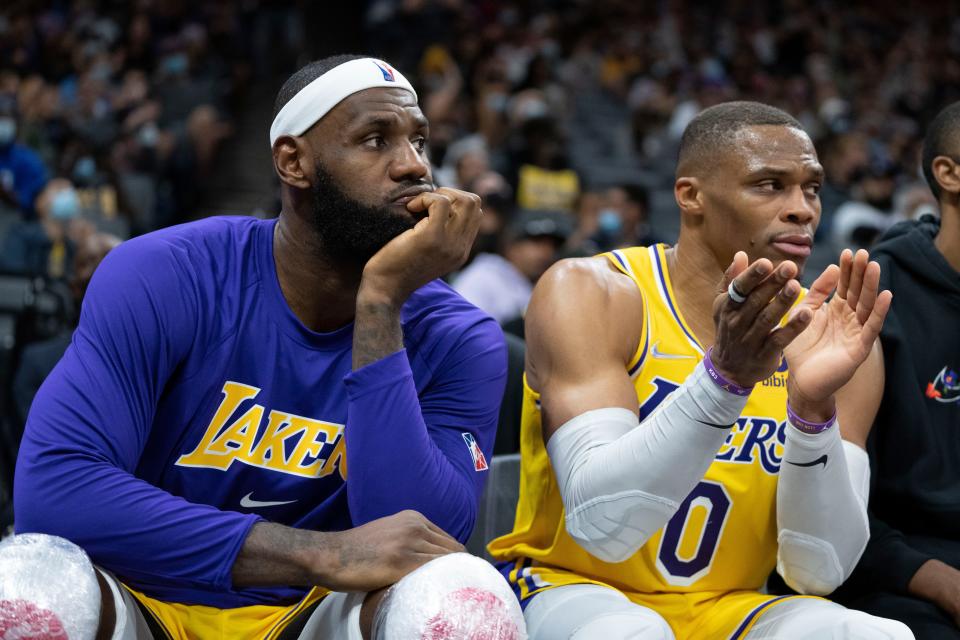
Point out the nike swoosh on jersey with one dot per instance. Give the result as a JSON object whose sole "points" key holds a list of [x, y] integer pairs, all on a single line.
{"points": [[656, 353], [248, 502], [822, 459]]}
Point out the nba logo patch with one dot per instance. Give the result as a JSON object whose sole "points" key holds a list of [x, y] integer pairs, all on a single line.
{"points": [[386, 71], [479, 460]]}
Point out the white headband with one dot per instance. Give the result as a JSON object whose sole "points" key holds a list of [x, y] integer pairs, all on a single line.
{"points": [[320, 96]]}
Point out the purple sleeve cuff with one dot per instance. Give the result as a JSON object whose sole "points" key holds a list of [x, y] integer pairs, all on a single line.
{"points": [[384, 372]]}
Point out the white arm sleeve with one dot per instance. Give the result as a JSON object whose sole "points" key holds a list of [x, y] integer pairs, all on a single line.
{"points": [[620, 483], [821, 510]]}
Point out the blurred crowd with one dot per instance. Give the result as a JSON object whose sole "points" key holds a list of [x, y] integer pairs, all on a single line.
{"points": [[111, 115], [575, 109], [565, 115]]}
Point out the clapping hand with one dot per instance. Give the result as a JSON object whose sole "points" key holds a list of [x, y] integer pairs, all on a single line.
{"points": [[840, 335]]}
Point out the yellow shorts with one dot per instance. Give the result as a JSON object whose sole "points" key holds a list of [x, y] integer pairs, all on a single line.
{"points": [[698, 615], [197, 622]]}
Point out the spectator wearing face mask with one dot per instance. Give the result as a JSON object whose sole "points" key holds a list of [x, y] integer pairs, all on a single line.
{"points": [[45, 246], [22, 173], [612, 218], [101, 201], [623, 221]]}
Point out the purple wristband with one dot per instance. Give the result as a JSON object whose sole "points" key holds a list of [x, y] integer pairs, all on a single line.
{"points": [[805, 425], [722, 382]]}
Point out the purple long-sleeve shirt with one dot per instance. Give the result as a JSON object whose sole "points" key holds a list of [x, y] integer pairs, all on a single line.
{"points": [[193, 403]]}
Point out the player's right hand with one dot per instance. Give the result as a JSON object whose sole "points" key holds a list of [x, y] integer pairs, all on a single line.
{"points": [[437, 245], [749, 343], [379, 553]]}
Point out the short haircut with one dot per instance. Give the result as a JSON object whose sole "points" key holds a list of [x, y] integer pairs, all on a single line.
{"points": [[714, 129], [942, 139], [307, 74]]}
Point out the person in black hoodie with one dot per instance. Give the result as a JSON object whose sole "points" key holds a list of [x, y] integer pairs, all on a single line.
{"points": [[910, 570]]}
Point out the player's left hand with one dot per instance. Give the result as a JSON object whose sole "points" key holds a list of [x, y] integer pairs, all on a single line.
{"points": [[438, 244], [840, 336]]}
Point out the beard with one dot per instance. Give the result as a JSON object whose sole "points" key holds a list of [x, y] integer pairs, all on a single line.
{"points": [[350, 231]]}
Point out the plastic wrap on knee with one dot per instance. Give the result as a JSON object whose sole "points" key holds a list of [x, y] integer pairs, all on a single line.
{"points": [[48, 589], [455, 597]]}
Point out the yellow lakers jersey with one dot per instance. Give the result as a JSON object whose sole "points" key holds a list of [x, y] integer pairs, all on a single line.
{"points": [[177, 621], [723, 537]]}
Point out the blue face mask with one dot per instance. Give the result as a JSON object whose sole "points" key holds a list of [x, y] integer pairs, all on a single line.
{"points": [[65, 205], [176, 64], [610, 222], [8, 131], [497, 102], [148, 135], [85, 170]]}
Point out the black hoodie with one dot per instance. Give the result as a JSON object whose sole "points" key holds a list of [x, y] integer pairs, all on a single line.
{"points": [[915, 442]]}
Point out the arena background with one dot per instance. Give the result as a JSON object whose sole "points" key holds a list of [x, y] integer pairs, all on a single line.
{"points": [[565, 116]]}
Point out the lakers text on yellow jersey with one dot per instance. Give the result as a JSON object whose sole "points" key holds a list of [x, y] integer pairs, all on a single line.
{"points": [[704, 569]]}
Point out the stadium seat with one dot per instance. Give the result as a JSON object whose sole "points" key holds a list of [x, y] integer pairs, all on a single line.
{"points": [[508, 424], [498, 504]]}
